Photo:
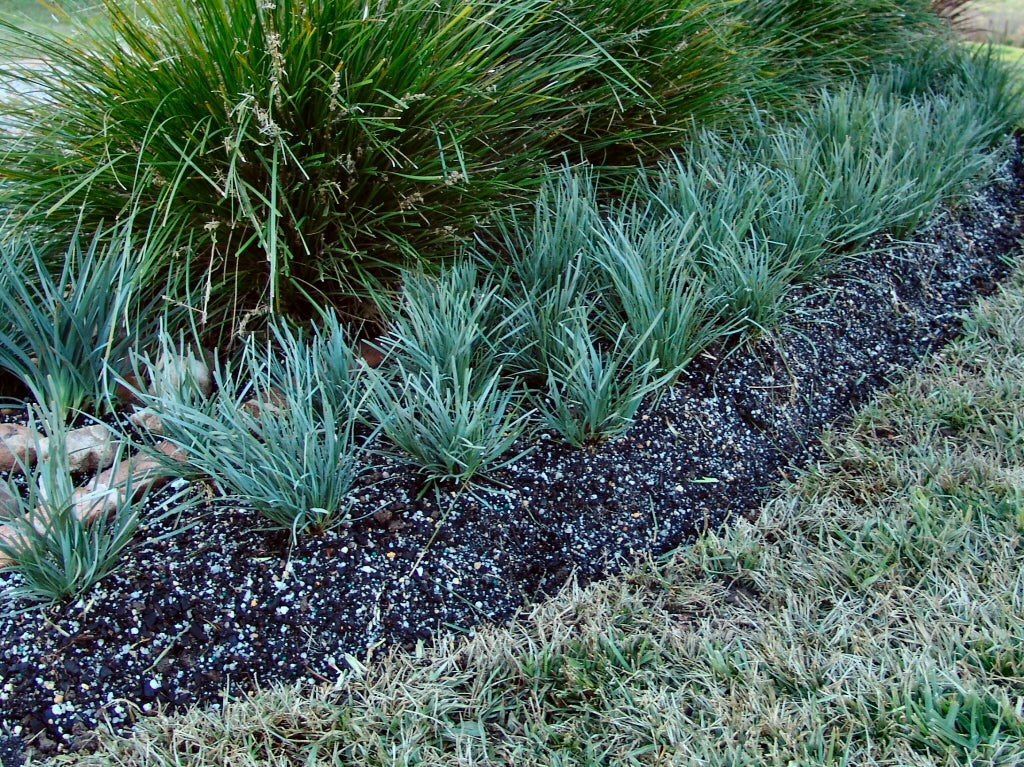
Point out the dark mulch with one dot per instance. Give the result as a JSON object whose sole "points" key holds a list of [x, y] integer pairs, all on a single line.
{"points": [[226, 605]]}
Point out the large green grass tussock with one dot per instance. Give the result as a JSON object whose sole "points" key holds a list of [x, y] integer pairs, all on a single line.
{"points": [[872, 615], [305, 150], [312, 147]]}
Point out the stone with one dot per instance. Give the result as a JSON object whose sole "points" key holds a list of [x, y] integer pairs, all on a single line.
{"points": [[17, 446], [273, 401], [127, 391], [92, 505], [146, 419], [101, 496], [119, 474], [370, 354], [10, 536], [144, 470], [90, 448], [172, 451], [9, 504], [174, 369]]}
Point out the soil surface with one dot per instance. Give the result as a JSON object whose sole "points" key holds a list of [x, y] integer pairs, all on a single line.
{"points": [[227, 605]]}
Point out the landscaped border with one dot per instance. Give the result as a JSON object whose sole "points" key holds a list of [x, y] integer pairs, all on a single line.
{"points": [[872, 614]]}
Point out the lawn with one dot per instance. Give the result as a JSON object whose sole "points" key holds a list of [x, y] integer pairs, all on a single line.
{"points": [[53, 16], [37, 11], [998, 21]]}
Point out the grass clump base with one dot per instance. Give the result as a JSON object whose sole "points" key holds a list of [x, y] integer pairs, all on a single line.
{"points": [[279, 430]]}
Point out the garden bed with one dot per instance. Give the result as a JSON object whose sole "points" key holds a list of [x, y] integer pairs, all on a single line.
{"points": [[225, 605]]}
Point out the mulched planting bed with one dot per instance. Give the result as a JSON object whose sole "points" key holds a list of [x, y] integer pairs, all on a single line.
{"points": [[227, 605]]}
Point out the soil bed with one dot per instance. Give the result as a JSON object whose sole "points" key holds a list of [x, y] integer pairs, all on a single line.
{"points": [[227, 605]]}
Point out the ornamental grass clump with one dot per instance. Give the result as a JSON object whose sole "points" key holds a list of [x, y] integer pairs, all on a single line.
{"points": [[739, 198], [456, 318], [277, 434], [69, 318], [784, 200], [744, 229], [657, 293], [585, 317], [312, 149], [451, 424], [59, 546], [975, 75], [885, 162], [443, 397], [745, 278], [550, 266], [538, 346], [542, 251], [798, 44], [882, 154], [594, 388]]}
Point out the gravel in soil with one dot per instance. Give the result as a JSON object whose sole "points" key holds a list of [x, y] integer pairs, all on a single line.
{"points": [[227, 605]]}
